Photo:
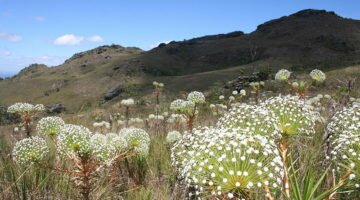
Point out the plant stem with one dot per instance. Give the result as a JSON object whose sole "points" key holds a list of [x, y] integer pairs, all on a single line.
{"points": [[340, 183], [26, 121], [85, 179], [284, 155], [127, 115], [268, 194]]}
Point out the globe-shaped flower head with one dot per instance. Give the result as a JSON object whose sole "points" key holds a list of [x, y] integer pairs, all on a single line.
{"points": [[117, 141], [196, 97], [318, 75], [282, 75], [127, 102], [50, 126], [30, 150], [173, 136], [25, 108], [250, 119], [101, 148], [224, 163], [74, 140], [176, 105], [344, 139], [137, 139], [293, 115]]}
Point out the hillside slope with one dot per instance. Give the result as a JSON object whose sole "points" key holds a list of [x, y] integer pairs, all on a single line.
{"points": [[302, 41]]}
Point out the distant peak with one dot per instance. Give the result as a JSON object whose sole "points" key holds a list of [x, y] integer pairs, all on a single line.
{"points": [[114, 48], [33, 68], [308, 14], [313, 12]]}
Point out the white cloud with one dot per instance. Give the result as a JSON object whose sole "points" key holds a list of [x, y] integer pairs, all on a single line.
{"points": [[69, 40], [10, 37], [95, 38], [39, 18], [158, 43]]}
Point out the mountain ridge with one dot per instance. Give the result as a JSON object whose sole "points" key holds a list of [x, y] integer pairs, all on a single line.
{"points": [[302, 41]]}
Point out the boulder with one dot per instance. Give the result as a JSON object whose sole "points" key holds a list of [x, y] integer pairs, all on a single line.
{"points": [[113, 93], [242, 82], [55, 108]]}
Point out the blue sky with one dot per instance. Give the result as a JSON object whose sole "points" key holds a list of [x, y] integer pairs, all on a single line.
{"points": [[49, 31]]}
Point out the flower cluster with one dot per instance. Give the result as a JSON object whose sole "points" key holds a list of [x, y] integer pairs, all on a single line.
{"points": [[50, 126], [257, 85], [117, 141], [293, 115], [218, 109], [282, 75], [250, 119], [136, 121], [137, 139], [25, 108], [176, 105], [225, 163], [176, 118], [196, 97], [30, 150], [74, 140], [344, 130], [318, 75], [188, 108], [184, 107], [158, 85], [101, 148], [104, 124], [173, 136], [156, 117], [345, 121], [128, 102]]}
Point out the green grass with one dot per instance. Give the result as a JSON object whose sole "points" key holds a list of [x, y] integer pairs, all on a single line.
{"points": [[160, 180]]}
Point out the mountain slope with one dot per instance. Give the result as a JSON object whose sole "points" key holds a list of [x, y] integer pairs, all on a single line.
{"points": [[302, 41], [305, 39]]}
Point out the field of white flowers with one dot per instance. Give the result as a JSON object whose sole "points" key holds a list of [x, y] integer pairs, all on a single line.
{"points": [[294, 145]]}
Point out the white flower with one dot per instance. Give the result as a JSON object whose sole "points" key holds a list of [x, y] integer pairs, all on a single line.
{"points": [[196, 97], [293, 115], [318, 75], [295, 84], [105, 124], [250, 119], [173, 136], [203, 155], [25, 108], [50, 126], [138, 139], [235, 92], [282, 75], [74, 140], [176, 105], [117, 141], [127, 102], [30, 150], [101, 148], [243, 92]]}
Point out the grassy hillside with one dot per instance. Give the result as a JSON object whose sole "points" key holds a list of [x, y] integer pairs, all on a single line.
{"points": [[300, 42]]}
